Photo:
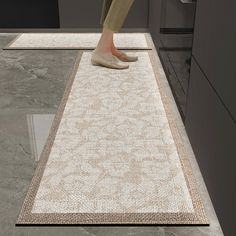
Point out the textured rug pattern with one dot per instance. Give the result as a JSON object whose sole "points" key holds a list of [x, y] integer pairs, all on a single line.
{"points": [[114, 151]]}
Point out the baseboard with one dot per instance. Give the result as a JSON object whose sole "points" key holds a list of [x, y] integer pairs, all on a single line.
{"points": [[72, 30]]}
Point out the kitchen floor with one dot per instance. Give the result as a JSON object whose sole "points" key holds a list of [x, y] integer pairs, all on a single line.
{"points": [[32, 82], [175, 53]]}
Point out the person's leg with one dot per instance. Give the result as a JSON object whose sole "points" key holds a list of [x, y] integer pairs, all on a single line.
{"points": [[105, 9], [117, 14], [105, 42], [116, 17], [114, 13]]}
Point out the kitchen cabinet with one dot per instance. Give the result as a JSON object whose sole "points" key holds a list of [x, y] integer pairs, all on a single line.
{"points": [[215, 49], [86, 14], [66, 14], [29, 14], [211, 104], [212, 133]]}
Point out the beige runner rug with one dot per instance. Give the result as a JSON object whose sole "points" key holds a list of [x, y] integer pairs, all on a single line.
{"points": [[76, 41], [114, 155]]}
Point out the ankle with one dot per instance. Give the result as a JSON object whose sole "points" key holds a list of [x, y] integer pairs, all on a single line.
{"points": [[115, 51], [103, 50]]}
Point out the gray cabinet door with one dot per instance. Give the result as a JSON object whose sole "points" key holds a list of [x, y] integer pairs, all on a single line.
{"points": [[87, 13], [212, 133], [176, 14], [215, 47]]}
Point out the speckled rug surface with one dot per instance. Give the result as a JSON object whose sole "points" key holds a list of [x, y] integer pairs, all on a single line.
{"points": [[76, 41], [114, 154]]}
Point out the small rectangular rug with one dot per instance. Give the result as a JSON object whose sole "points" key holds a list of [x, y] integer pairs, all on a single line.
{"points": [[76, 41], [114, 154]]}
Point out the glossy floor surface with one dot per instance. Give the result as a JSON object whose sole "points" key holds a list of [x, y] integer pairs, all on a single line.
{"points": [[33, 82], [175, 54]]}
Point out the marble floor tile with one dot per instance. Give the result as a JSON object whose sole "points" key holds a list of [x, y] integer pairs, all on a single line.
{"points": [[33, 78]]}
